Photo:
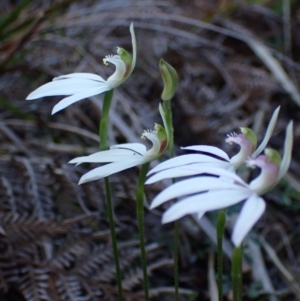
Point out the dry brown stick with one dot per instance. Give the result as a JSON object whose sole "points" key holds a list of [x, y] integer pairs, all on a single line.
{"points": [[285, 273]]}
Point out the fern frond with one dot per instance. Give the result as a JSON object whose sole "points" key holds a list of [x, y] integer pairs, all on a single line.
{"points": [[69, 288], [33, 283]]}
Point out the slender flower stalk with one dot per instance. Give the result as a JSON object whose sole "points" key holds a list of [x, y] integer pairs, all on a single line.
{"points": [[169, 121], [221, 220], [222, 188], [77, 86], [110, 210], [140, 218], [170, 79], [103, 128], [236, 274]]}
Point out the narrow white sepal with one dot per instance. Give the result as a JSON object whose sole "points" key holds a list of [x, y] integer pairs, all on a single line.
{"points": [[268, 134], [252, 210], [113, 155], [190, 186], [109, 169], [185, 160], [134, 147], [287, 153], [68, 86], [209, 149], [207, 201], [81, 75], [216, 169], [78, 96]]}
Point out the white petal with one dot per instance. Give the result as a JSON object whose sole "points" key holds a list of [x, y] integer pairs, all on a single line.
{"points": [[207, 201], [217, 169], [287, 153], [136, 147], [76, 97], [82, 75], [268, 134], [252, 210], [190, 186], [209, 149], [113, 155], [64, 87], [184, 160], [109, 169]]}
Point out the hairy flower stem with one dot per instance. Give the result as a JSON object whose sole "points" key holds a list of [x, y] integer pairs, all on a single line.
{"points": [[236, 274], [140, 217], [110, 211], [170, 129], [220, 234]]}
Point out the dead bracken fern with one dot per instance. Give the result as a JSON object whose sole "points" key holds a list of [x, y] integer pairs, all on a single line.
{"points": [[48, 256]]}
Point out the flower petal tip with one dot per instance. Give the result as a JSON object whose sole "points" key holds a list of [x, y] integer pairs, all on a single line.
{"points": [[83, 180], [148, 182], [30, 97], [55, 109], [151, 180], [166, 219]]}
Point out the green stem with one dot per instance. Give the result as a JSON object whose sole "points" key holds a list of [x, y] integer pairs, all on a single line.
{"points": [[104, 119], [240, 288], [110, 211], [236, 274], [140, 217], [220, 234], [170, 129], [176, 256]]}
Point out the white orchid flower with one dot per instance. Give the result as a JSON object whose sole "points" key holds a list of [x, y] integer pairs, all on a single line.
{"points": [[211, 156], [224, 188], [84, 85], [124, 156]]}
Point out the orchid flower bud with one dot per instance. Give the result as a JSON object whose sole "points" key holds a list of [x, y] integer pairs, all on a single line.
{"points": [[170, 79]]}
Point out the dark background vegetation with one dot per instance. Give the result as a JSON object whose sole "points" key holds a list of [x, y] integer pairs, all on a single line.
{"points": [[236, 61]]}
